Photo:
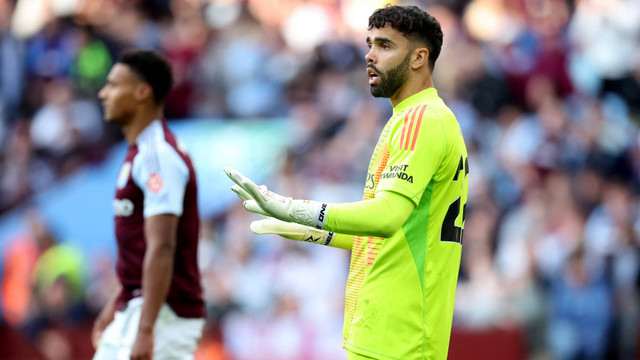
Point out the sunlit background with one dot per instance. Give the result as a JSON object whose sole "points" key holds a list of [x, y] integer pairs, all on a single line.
{"points": [[547, 93]]}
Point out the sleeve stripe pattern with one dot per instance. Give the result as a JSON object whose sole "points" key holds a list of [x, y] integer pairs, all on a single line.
{"points": [[404, 125], [415, 133], [409, 142]]}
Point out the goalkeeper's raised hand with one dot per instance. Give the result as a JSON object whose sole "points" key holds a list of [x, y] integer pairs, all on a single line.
{"points": [[291, 231], [264, 202]]}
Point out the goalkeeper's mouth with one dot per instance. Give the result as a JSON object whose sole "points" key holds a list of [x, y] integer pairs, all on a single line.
{"points": [[373, 76]]}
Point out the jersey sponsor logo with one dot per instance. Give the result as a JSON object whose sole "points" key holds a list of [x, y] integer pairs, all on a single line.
{"points": [[393, 168], [123, 207], [123, 176], [155, 183], [398, 172]]}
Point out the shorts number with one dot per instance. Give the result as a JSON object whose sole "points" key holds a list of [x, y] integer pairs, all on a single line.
{"points": [[450, 231]]}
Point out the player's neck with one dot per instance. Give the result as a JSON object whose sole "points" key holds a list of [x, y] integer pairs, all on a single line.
{"points": [[140, 121], [414, 85]]}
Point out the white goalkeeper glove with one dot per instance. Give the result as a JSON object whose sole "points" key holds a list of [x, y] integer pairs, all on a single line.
{"points": [[264, 202], [291, 231]]}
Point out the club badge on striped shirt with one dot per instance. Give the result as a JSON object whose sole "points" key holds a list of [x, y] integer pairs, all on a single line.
{"points": [[123, 177]]}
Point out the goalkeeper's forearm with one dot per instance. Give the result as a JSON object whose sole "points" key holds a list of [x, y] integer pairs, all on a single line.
{"points": [[342, 241], [381, 216]]}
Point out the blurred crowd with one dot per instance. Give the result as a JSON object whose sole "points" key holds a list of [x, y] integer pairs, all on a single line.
{"points": [[547, 93]]}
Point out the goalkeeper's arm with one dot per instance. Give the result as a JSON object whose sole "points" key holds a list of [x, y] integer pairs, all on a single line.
{"points": [[381, 216], [293, 231]]}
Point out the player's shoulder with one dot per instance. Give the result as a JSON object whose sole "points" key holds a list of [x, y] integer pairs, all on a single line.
{"points": [[155, 140], [426, 106], [437, 113], [155, 147]]}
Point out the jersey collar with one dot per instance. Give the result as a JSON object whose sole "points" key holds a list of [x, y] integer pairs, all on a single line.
{"points": [[150, 131], [414, 99]]}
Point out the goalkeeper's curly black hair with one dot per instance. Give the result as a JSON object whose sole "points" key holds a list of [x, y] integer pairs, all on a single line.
{"points": [[152, 68], [414, 23]]}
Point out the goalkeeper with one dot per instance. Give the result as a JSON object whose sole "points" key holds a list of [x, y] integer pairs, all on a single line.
{"points": [[406, 233]]}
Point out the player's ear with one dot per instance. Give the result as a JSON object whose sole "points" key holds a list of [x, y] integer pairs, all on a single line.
{"points": [[420, 58], [143, 91]]}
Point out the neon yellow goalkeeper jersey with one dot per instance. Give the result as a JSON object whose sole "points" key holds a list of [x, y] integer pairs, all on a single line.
{"points": [[400, 290]]}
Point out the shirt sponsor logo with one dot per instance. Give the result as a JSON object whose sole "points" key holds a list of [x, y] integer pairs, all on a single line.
{"points": [[155, 183], [123, 207], [399, 172], [123, 176]]}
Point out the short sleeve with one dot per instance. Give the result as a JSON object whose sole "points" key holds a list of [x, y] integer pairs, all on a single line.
{"points": [[162, 175], [416, 149]]}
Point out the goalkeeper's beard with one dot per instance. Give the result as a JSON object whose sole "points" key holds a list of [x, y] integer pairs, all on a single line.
{"points": [[391, 80]]}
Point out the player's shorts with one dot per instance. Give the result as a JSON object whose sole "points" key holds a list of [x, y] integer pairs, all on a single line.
{"points": [[354, 356], [174, 337]]}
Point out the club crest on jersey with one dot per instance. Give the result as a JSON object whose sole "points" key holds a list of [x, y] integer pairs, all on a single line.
{"points": [[125, 170], [123, 207], [154, 184]]}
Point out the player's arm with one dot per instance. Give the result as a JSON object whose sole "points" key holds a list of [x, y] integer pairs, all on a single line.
{"points": [[293, 231], [105, 317], [160, 234], [163, 176], [381, 216]]}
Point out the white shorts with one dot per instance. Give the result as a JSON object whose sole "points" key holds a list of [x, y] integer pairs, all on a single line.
{"points": [[175, 338]]}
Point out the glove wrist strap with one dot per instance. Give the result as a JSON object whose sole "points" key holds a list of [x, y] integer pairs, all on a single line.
{"points": [[310, 213], [320, 216], [318, 236]]}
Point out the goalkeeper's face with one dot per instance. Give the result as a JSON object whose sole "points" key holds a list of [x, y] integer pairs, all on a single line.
{"points": [[387, 61]]}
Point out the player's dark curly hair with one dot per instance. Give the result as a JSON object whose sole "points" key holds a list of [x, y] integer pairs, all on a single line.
{"points": [[414, 23], [152, 69]]}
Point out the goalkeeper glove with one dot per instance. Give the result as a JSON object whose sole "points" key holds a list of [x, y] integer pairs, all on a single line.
{"points": [[291, 231], [267, 203]]}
